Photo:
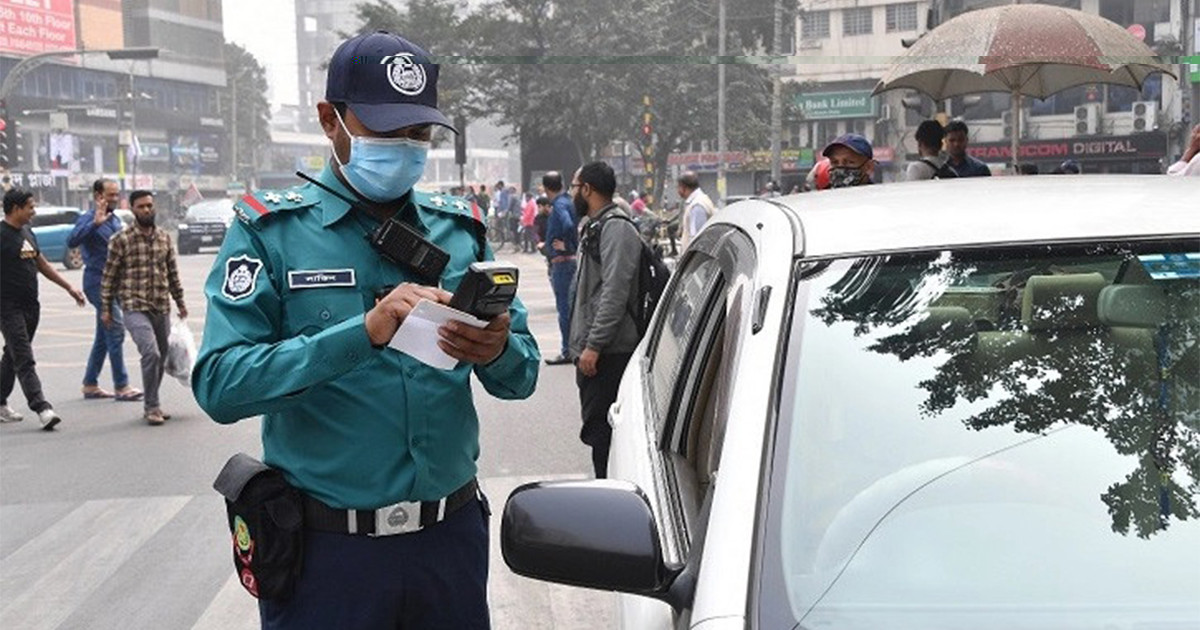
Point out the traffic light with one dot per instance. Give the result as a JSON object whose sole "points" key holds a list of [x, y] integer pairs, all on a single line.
{"points": [[16, 143], [4, 135]]}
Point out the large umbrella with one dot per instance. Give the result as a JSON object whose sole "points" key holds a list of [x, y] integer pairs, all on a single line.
{"points": [[1025, 50]]}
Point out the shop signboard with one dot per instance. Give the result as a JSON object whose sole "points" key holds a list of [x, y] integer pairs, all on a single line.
{"points": [[154, 152], [837, 105], [210, 153], [185, 153], [1141, 146], [36, 26]]}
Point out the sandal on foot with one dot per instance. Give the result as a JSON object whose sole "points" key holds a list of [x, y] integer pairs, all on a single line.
{"points": [[129, 395], [90, 393]]}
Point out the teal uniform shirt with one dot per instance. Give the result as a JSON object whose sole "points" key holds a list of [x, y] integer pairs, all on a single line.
{"points": [[354, 426]]}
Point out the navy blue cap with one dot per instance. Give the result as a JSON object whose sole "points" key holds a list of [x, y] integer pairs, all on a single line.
{"points": [[387, 81], [855, 143]]}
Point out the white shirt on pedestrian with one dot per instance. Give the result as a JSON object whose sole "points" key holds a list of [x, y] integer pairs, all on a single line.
{"points": [[1190, 168]]}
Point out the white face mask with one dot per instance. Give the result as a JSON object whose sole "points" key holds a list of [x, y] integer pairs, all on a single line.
{"points": [[383, 169]]}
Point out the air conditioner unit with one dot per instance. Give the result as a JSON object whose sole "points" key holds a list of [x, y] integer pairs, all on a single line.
{"points": [[1006, 122], [1087, 119], [1145, 116]]}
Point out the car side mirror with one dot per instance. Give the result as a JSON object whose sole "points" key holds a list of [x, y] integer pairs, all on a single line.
{"points": [[596, 534]]}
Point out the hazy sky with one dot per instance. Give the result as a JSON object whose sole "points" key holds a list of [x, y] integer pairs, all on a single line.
{"points": [[267, 28]]}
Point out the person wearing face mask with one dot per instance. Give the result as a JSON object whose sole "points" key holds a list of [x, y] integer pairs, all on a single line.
{"points": [[851, 161], [381, 447]]}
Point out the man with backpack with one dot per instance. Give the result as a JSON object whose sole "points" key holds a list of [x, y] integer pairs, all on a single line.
{"points": [[932, 163], [604, 327]]}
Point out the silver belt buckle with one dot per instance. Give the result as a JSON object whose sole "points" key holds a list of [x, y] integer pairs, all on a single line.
{"points": [[398, 518]]}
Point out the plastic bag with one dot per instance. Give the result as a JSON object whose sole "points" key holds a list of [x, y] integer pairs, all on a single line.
{"points": [[181, 352]]}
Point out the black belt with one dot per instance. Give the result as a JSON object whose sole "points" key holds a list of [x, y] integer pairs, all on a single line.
{"points": [[399, 518]]}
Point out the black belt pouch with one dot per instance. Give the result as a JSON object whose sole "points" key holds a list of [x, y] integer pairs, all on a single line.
{"points": [[266, 521]]}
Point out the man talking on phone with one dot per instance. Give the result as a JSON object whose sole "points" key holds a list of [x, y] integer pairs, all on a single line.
{"points": [[92, 232]]}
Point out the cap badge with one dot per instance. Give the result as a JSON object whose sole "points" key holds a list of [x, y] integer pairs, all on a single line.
{"points": [[405, 74]]}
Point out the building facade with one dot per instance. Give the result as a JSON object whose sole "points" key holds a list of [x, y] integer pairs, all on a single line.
{"points": [[318, 27], [1106, 128], [153, 124]]}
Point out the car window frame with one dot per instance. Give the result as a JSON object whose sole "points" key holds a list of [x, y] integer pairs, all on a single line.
{"points": [[736, 258]]}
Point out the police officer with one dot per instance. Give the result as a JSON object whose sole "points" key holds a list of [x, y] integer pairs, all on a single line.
{"points": [[301, 307]]}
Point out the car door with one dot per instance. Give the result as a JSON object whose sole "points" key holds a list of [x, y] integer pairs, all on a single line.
{"points": [[686, 374]]}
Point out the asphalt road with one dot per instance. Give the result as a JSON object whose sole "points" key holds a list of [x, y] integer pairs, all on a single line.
{"points": [[110, 523]]}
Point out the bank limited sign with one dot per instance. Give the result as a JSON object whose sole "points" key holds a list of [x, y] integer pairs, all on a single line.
{"points": [[834, 105]]}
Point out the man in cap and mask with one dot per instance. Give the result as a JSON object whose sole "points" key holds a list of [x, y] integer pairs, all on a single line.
{"points": [[303, 300], [851, 161]]}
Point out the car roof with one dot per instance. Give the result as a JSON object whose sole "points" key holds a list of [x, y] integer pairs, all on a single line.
{"points": [[40, 209], [991, 210]]}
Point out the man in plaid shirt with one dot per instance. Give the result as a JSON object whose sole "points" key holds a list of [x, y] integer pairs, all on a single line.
{"points": [[141, 273]]}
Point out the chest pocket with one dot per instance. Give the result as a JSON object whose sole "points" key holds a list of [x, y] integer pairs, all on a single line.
{"points": [[310, 311]]}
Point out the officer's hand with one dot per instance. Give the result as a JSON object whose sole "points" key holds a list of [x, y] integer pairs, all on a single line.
{"points": [[475, 345], [107, 320], [383, 320]]}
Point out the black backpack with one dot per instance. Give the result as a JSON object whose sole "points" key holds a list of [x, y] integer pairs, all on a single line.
{"points": [[652, 274]]}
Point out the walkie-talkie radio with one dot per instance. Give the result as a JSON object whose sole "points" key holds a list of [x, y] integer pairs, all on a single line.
{"points": [[400, 244], [487, 289]]}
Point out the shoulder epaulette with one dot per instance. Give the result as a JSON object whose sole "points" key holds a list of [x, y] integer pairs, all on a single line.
{"points": [[251, 209], [449, 204]]}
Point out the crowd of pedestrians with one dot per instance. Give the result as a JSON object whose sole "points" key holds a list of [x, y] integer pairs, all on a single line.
{"points": [[130, 276]]}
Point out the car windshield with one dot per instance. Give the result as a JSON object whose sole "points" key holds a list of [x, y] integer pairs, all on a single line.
{"points": [[999, 439], [211, 211]]}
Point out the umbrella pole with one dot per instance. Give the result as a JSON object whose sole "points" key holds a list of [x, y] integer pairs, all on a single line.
{"points": [[1016, 130]]}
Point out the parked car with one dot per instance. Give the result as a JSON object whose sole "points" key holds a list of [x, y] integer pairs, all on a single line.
{"points": [[861, 409], [126, 216], [52, 226], [204, 225]]}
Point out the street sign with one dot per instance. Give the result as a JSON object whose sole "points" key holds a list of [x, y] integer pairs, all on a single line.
{"points": [[1138, 31]]}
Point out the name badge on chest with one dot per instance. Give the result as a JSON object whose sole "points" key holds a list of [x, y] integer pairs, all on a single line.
{"points": [[320, 278]]}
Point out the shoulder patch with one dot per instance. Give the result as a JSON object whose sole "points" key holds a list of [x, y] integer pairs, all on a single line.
{"points": [[252, 208], [241, 276], [450, 205]]}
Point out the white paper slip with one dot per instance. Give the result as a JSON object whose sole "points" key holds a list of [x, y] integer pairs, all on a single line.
{"points": [[418, 335]]}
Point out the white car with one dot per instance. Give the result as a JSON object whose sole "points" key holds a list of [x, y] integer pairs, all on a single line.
{"points": [[926, 406]]}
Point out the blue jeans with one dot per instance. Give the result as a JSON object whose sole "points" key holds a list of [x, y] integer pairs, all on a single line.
{"points": [[561, 275], [107, 343]]}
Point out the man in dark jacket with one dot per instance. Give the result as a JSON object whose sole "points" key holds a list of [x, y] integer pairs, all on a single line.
{"points": [[603, 331]]}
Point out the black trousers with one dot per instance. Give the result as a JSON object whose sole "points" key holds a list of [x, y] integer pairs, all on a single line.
{"points": [[18, 325], [596, 394]]}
